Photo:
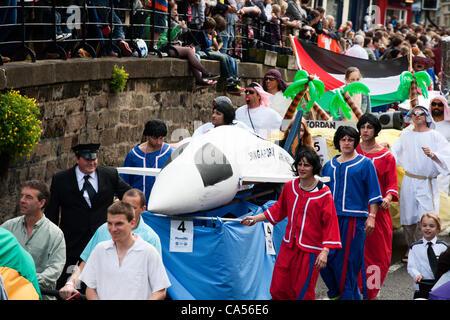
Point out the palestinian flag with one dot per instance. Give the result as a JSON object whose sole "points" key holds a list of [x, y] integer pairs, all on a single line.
{"points": [[17, 269], [381, 77]]}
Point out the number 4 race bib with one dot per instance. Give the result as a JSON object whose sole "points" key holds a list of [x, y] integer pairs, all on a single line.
{"points": [[181, 236]]}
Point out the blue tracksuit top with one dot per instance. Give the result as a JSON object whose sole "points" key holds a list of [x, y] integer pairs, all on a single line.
{"points": [[354, 185], [137, 158]]}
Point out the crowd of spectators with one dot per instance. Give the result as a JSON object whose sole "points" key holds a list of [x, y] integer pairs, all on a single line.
{"points": [[238, 26]]}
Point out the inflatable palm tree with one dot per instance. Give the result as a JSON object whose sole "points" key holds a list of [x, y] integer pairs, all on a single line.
{"points": [[342, 100], [303, 83], [409, 83], [322, 114]]}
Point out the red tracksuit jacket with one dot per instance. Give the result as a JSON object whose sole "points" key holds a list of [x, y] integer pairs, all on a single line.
{"points": [[312, 220]]}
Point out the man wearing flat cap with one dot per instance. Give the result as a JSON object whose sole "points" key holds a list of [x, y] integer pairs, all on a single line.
{"points": [[79, 200], [423, 153]]}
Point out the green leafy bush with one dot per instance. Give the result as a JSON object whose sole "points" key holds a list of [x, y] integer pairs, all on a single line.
{"points": [[20, 127], [119, 79]]}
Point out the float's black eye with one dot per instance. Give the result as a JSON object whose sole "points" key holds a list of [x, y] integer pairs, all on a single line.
{"points": [[212, 165]]}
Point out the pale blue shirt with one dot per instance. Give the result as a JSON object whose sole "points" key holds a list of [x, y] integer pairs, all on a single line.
{"points": [[46, 245], [102, 234]]}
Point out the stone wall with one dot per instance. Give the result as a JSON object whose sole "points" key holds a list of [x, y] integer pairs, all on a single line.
{"points": [[77, 107]]}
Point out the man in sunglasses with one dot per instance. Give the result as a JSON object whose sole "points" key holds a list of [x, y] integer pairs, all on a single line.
{"points": [[440, 111], [274, 84], [256, 113], [423, 153]]}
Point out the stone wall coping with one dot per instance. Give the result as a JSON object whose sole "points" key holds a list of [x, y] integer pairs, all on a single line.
{"points": [[23, 74]]}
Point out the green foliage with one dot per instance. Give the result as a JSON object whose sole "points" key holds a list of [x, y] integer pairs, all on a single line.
{"points": [[20, 129], [119, 79], [295, 88]]}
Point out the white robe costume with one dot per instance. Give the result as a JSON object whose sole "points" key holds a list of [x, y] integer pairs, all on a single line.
{"points": [[418, 196], [442, 127], [263, 120], [444, 180]]}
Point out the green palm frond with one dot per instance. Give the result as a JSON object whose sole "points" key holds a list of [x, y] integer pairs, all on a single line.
{"points": [[334, 110], [423, 89], [301, 74], [312, 96], [355, 88], [423, 82], [406, 77], [423, 76], [336, 103], [295, 88], [320, 87], [346, 110], [343, 105], [312, 91]]}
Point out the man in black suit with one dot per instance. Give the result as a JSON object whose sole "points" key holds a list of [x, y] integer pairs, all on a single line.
{"points": [[79, 200]]}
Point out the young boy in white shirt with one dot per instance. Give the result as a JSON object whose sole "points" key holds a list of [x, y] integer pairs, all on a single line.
{"points": [[420, 266]]}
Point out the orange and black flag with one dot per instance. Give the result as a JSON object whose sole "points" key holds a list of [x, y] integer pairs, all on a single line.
{"points": [[17, 269]]}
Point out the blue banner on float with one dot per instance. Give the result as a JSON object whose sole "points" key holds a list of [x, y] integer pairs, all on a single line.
{"points": [[228, 260]]}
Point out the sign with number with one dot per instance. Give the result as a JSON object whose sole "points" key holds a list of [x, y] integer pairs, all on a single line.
{"points": [[320, 144], [268, 231], [181, 236]]}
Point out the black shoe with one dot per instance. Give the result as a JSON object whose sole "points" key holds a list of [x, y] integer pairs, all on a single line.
{"points": [[211, 76]]}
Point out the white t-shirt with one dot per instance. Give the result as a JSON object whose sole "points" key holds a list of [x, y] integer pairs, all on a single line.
{"points": [[142, 272], [262, 120], [358, 52]]}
